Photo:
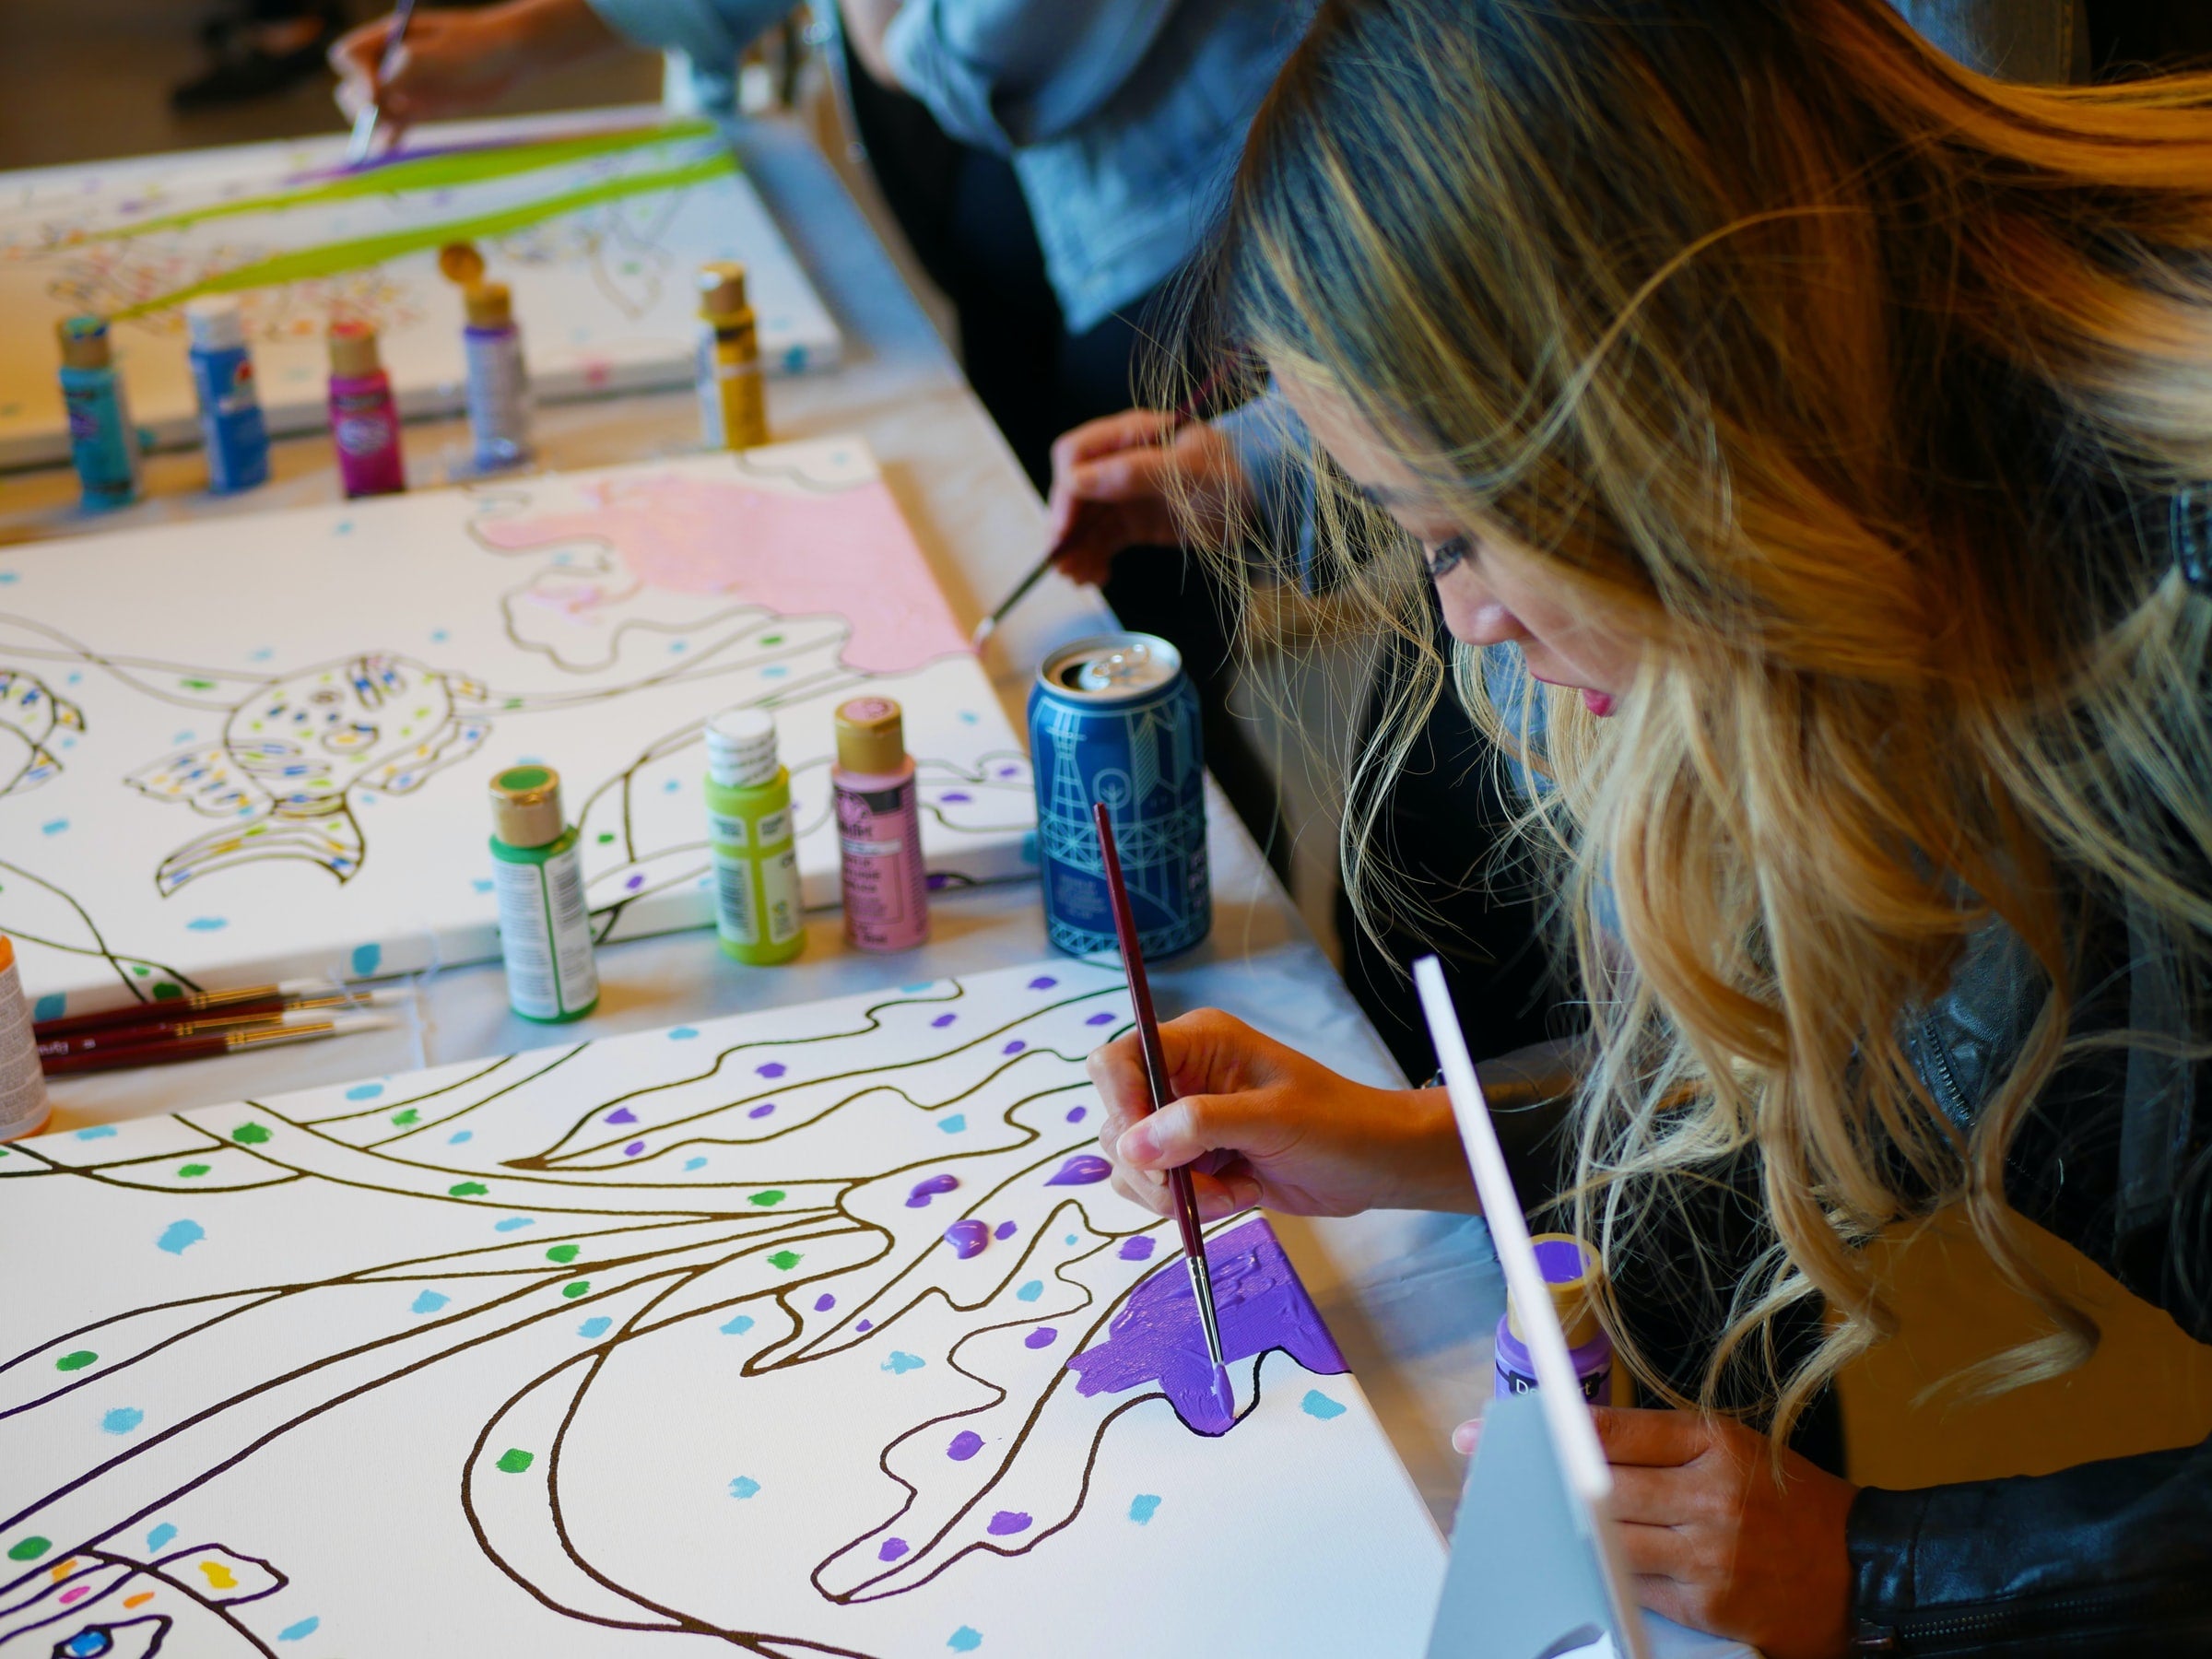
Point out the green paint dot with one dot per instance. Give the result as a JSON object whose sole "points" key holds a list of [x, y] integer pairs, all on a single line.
{"points": [[141, 969], [249, 1135], [409, 1117], [189, 1171], [606, 838], [197, 685], [772, 638], [165, 991], [29, 1549], [576, 1290], [773, 1195], [77, 1361], [514, 1460], [564, 1252], [468, 1189], [785, 1259]]}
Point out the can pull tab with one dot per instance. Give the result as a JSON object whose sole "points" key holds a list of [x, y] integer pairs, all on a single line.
{"points": [[1123, 666]]}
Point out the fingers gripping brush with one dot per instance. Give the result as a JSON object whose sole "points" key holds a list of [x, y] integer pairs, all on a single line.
{"points": [[1157, 1085]]}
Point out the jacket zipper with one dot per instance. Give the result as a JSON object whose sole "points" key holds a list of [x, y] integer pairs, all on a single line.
{"points": [[1958, 1112], [1906, 1635]]}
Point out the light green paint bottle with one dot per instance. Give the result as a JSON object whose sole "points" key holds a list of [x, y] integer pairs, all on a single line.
{"points": [[544, 924], [749, 835]]}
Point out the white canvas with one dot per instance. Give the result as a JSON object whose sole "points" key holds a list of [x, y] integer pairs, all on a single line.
{"points": [[258, 748], [671, 1344], [602, 251]]}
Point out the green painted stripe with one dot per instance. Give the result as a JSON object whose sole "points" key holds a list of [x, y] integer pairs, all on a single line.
{"points": [[428, 172], [303, 265]]}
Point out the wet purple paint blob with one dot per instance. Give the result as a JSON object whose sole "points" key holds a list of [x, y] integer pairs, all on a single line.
{"points": [[891, 1549], [620, 1114], [1042, 1336], [923, 1191], [942, 1020], [1005, 1230], [956, 794], [634, 1149], [1043, 981], [936, 881], [865, 1325], [1006, 1523], [1076, 1113], [1139, 1249], [1085, 1168], [762, 1110], [774, 1069], [823, 1304], [967, 1238], [1099, 1019], [1014, 1047], [965, 1445], [1156, 1337], [634, 883]]}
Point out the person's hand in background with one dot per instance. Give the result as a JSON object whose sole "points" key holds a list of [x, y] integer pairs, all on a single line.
{"points": [[457, 62], [1138, 479]]}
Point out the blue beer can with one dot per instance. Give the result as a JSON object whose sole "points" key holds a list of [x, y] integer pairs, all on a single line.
{"points": [[1115, 719]]}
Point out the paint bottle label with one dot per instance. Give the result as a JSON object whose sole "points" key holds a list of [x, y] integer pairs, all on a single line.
{"points": [[23, 1105], [499, 395], [101, 442], [879, 844], [546, 930], [733, 404], [364, 423], [232, 427], [757, 908]]}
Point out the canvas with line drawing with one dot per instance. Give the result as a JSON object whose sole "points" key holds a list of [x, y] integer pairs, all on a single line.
{"points": [[257, 747], [816, 1332], [599, 222]]}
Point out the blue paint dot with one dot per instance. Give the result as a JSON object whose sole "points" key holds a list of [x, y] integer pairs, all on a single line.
{"points": [[1143, 1507], [121, 1420], [9, 578], [965, 1640], [439, 636], [672, 786], [96, 1132], [49, 1006], [364, 1091], [208, 923], [953, 1124], [917, 990], [367, 959], [969, 717], [683, 1033], [53, 826], [1031, 1291], [180, 1236], [899, 1364], [294, 1633], [459, 1135], [481, 885], [774, 671], [429, 1301], [512, 1222], [1318, 1404], [678, 647], [745, 1486], [694, 1163], [161, 1535], [739, 1326]]}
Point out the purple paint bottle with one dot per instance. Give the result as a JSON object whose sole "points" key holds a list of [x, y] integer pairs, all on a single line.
{"points": [[1568, 1267], [364, 420], [879, 828]]}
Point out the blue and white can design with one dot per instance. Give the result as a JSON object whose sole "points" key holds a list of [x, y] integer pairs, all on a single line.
{"points": [[1115, 719]]}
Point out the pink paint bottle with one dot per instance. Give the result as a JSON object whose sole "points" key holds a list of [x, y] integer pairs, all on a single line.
{"points": [[879, 828], [364, 420]]}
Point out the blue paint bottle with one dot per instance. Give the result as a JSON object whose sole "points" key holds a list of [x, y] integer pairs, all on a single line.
{"points": [[101, 440], [231, 428]]}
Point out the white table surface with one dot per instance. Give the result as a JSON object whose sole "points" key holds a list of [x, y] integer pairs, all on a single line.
{"points": [[1412, 1298]]}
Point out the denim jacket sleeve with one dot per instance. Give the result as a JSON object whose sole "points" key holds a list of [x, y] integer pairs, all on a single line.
{"points": [[710, 32], [1003, 73]]}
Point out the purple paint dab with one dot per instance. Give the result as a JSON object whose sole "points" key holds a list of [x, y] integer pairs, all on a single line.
{"points": [[1014, 1047], [1099, 1019], [634, 1149], [762, 1110], [824, 1303], [891, 1549], [1139, 1249], [923, 1190], [968, 1236], [942, 1020], [1042, 1336], [965, 1445], [773, 1069], [1006, 1523], [1156, 1337], [1085, 1168], [865, 1326], [1005, 1230], [620, 1114], [1043, 981]]}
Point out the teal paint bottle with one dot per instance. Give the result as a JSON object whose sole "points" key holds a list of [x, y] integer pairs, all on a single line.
{"points": [[103, 442], [544, 924], [757, 908]]}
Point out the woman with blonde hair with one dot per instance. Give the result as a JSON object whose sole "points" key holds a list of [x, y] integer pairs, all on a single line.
{"points": [[1800, 433]]}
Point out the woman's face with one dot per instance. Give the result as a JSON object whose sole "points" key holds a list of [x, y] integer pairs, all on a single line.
{"points": [[1498, 591]]}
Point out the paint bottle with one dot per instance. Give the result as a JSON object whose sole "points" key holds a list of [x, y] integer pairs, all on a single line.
{"points": [[544, 925], [23, 1106], [499, 386], [1570, 1269], [733, 408], [757, 908], [103, 441], [364, 420], [878, 829], [232, 428]]}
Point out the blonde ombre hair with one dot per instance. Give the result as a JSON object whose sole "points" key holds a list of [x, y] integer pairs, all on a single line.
{"points": [[1860, 383]]}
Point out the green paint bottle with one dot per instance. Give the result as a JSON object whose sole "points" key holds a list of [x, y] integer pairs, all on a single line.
{"points": [[749, 835], [544, 924]]}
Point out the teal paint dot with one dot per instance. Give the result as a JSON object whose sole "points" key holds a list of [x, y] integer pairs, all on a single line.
{"points": [[364, 1091], [180, 1236], [208, 923], [460, 1137], [745, 1486], [1031, 1291], [899, 1364], [1071, 1238], [49, 1006], [513, 1222], [683, 1034], [514, 1460], [595, 1328], [739, 1326], [293, 1632], [367, 959], [1318, 1404], [121, 1420], [965, 1640], [162, 1537], [695, 1163], [429, 1301], [1143, 1507], [98, 1131], [53, 826], [481, 885], [955, 1123]]}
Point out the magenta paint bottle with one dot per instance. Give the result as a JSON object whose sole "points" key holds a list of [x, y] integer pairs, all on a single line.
{"points": [[878, 829], [364, 420], [1570, 1267]]}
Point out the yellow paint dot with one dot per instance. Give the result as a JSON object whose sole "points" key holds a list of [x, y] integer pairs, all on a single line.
{"points": [[219, 1577]]}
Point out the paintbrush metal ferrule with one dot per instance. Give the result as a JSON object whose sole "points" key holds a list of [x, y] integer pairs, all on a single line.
{"points": [[989, 625]]}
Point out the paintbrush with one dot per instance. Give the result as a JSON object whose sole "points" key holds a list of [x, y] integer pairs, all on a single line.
{"points": [[163, 1050], [387, 64], [248, 1001], [134, 1036], [1157, 1085]]}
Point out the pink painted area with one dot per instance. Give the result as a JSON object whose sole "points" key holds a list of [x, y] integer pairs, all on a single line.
{"points": [[846, 553]]}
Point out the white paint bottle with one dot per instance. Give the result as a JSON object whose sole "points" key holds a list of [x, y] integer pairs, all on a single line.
{"points": [[23, 1104]]}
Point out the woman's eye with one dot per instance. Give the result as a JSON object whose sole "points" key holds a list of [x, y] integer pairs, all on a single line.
{"points": [[1445, 557]]}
